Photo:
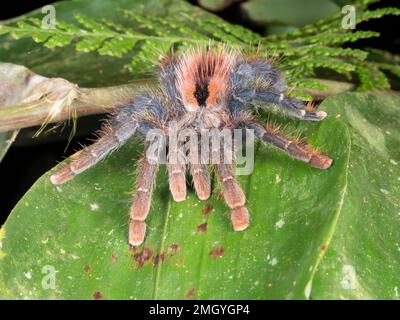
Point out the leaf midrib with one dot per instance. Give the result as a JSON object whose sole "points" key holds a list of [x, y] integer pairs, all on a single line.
{"points": [[162, 244], [335, 220]]}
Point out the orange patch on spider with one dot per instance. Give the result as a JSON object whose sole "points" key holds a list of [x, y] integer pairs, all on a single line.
{"points": [[209, 70], [216, 87]]}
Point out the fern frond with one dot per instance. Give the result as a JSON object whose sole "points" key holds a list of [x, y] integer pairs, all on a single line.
{"points": [[144, 38], [371, 77]]}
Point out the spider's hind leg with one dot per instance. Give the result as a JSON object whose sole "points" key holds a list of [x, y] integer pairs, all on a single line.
{"points": [[296, 149]]}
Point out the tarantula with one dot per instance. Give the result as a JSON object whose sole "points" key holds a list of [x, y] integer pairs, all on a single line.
{"points": [[200, 89]]}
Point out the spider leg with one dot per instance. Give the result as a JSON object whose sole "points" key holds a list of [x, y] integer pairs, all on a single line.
{"points": [[233, 195], [142, 200], [177, 180], [259, 80], [112, 137], [201, 180], [296, 149], [198, 166], [122, 125], [293, 107]]}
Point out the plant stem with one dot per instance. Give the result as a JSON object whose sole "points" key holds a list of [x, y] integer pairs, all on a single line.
{"points": [[102, 100], [90, 101]]}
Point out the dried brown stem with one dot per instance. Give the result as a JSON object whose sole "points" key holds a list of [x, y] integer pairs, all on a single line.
{"points": [[89, 101]]}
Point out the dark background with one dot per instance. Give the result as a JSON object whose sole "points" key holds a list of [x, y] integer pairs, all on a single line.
{"points": [[29, 158]]}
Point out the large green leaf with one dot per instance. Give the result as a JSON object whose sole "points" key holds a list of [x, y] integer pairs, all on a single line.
{"points": [[363, 259], [79, 230]]}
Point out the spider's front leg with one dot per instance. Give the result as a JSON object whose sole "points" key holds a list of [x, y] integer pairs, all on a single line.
{"points": [[233, 195], [176, 173], [259, 80], [142, 200], [299, 150], [201, 180], [293, 107]]}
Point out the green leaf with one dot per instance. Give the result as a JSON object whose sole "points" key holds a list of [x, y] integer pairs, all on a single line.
{"points": [[371, 77], [117, 47], [291, 12], [305, 224], [296, 210], [149, 50], [59, 40], [216, 5], [363, 257]]}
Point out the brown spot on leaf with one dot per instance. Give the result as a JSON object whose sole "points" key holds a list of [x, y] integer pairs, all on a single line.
{"points": [[114, 257], [202, 227], [87, 268], [324, 247], [217, 252], [159, 258], [155, 260], [179, 262], [174, 248], [207, 209], [142, 257], [191, 293], [97, 295]]}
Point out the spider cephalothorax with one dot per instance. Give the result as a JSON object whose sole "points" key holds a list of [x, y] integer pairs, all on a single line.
{"points": [[200, 90]]}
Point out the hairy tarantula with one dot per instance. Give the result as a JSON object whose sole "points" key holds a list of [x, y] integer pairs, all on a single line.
{"points": [[200, 89]]}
